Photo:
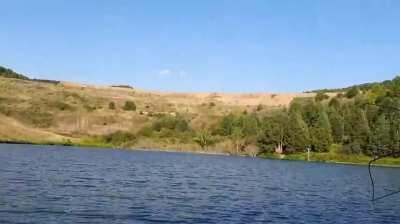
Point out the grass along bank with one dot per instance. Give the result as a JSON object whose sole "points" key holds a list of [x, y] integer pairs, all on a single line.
{"points": [[329, 157]]}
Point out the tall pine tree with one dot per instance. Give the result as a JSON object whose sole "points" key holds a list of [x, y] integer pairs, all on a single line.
{"points": [[321, 133], [380, 136], [337, 125], [298, 136]]}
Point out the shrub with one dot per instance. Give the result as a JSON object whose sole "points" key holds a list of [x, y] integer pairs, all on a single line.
{"points": [[129, 106], [339, 95], [66, 142], [352, 148], [321, 96], [352, 92], [204, 139], [146, 131], [111, 106], [177, 123], [60, 105], [120, 138], [89, 108]]}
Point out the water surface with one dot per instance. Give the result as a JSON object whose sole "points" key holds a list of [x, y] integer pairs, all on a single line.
{"points": [[51, 184]]}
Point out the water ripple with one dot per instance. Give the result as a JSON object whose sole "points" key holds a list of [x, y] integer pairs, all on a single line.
{"points": [[69, 185]]}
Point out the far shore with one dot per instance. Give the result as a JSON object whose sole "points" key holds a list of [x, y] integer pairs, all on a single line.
{"points": [[350, 159]]}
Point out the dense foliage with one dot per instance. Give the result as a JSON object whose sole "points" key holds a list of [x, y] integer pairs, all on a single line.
{"points": [[366, 122]]}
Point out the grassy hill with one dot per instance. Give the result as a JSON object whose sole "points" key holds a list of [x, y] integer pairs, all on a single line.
{"points": [[40, 111]]}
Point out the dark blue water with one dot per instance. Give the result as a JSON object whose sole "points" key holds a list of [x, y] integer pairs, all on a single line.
{"points": [[42, 184]]}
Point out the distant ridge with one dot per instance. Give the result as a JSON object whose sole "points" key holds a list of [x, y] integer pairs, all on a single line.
{"points": [[362, 87], [8, 73]]}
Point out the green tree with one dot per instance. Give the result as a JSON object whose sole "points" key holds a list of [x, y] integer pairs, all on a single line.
{"points": [[226, 125], [249, 124], [380, 138], [377, 90], [394, 119], [357, 126], [310, 113], [321, 133], [273, 133], [238, 139], [395, 87], [337, 125], [298, 136], [129, 106]]}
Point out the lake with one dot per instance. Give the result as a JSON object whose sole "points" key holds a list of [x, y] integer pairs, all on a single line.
{"points": [[52, 184]]}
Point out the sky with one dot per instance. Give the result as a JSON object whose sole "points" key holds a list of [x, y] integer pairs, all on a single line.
{"points": [[207, 45]]}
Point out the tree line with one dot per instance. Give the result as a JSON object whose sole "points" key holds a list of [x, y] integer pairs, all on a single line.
{"points": [[357, 121]]}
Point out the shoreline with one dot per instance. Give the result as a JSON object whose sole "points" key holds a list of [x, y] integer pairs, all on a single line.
{"points": [[332, 161], [261, 156]]}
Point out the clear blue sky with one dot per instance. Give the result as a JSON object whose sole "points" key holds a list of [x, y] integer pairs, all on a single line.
{"points": [[204, 45]]}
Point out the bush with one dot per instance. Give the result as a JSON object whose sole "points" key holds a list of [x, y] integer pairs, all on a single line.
{"points": [[120, 138], [60, 105], [111, 106], [335, 148], [321, 96], [146, 132], [352, 148], [129, 106], [352, 92], [204, 139], [89, 108], [177, 123]]}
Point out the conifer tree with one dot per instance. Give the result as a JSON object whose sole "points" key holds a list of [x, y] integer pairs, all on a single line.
{"points": [[298, 136], [337, 125], [357, 127], [380, 136], [321, 133]]}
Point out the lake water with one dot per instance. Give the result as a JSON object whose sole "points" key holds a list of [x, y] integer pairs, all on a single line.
{"points": [[51, 184]]}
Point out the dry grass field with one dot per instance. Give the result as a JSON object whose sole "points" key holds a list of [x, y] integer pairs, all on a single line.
{"points": [[39, 112]]}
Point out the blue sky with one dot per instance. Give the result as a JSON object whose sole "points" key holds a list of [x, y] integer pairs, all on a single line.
{"points": [[207, 45]]}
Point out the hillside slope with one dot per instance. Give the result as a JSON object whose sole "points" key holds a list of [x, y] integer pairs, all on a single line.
{"points": [[43, 111]]}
